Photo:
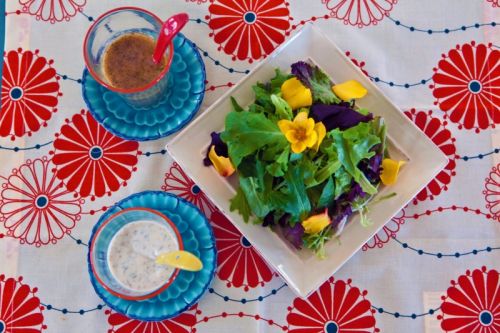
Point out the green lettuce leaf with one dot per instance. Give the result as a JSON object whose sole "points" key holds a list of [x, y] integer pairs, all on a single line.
{"points": [[247, 132], [298, 204], [283, 110], [240, 203], [328, 194]]}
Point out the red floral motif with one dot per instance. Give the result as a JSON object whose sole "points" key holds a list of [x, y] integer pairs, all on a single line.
{"points": [[472, 303], [238, 262], [385, 234], [435, 130], [335, 307], [359, 12], [248, 29], [494, 3], [467, 86], [20, 309], [30, 92], [52, 10], [177, 182], [91, 160], [35, 207], [183, 323], [492, 192]]}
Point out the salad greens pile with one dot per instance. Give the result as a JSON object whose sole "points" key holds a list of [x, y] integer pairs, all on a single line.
{"points": [[282, 188]]}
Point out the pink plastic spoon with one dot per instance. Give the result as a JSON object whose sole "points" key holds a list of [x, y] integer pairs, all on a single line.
{"points": [[170, 28]]}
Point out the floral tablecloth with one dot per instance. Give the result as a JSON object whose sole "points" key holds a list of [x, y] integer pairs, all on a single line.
{"points": [[433, 268]]}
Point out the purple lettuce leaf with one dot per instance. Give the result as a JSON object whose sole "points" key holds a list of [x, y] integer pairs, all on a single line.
{"points": [[220, 148], [294, 234], [303, 71], [372, 167], [339, 116]]}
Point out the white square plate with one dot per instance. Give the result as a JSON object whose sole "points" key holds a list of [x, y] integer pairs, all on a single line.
{"points": [[302, 270]]}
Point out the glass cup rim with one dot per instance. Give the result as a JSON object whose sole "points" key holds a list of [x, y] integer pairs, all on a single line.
{"points": [[96, 235], [97, 77]]}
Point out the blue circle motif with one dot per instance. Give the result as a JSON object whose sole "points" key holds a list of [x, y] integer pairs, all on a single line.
{"points": [[41, 202], [485, 318], [245, 242], [96, 153], [195, 189], [250, 17], [16, 93], [2, 326], [331, 327], [475, 86]]}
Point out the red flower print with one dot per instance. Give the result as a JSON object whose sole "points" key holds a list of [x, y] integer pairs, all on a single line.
{"points": [[492, 192], [472, 304], [238, 262], [20, 309], [30, 92], [494, 3], [183, 323], [435, 130], [248, 29], [335, 307], [359, 12], [52, 10], [467, 86], [91, 160], [34, 205], [178, 183], [385, 234]]}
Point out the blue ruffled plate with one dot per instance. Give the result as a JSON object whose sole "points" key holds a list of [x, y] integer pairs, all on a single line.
{"points": [[185, 92], [188, 287]]}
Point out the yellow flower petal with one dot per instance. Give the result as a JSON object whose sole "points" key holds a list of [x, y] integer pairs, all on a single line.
{"points": [[390, 171], [221, 164], [298, 147], [296, 94], [309, 125], [311, 139], [349, 90], [285, 125], [291, 136], [316, 223], [320, 130], [300, 117]]}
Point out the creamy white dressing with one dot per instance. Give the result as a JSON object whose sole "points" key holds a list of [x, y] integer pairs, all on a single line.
{"points": [[132, 253]]}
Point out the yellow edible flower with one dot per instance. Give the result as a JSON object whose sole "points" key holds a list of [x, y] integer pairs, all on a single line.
{"points": [[349, 90], [221, 164], [316, 223], [296, 94], [390, 171], [302, 132]]}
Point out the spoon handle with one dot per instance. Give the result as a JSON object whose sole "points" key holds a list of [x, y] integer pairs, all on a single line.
{"points": [[170, 28]]}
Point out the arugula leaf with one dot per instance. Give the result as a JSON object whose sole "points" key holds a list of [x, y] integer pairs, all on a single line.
{"points": [[283, 110], [247, 132], [317, 81], [280, 166], [328, 194], [342, 182], [354, 145], [236, 107], [257, 189], [240, 203], [263, 97], [298, 204], [278, 79], [316, 242]]}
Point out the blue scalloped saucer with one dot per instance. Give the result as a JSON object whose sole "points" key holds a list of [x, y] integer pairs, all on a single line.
{"points": [[188, 287], [185, 92]]}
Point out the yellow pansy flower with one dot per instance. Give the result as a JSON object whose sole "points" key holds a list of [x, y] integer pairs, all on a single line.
{"points": [[221, 164], [302, 132], [316, 223], [296, 94], [390, 171], [349, 90]]}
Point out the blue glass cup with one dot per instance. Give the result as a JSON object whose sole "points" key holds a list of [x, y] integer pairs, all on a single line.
{"points": [[112, 25]]}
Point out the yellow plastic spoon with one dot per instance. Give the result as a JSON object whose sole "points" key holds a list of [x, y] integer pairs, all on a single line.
{"points": [[180, 259]]}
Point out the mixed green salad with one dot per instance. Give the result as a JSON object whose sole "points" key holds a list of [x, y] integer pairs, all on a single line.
{"points": [[306, 156]]}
